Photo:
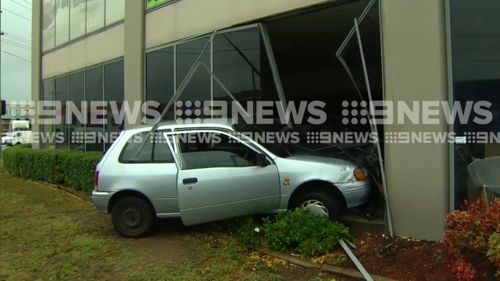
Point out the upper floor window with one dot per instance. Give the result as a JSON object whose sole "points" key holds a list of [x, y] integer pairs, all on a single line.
{"points": [[67, 20]]}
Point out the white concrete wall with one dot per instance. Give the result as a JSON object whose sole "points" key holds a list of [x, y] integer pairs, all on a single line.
{"points": [[187, 18], [414, 39], [35, 62]]}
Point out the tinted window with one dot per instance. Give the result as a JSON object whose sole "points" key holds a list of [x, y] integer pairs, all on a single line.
{"points": [[211, 150], [160, 82], [49, 24], [48, 95], [113, 92], [78, 9], [94, 93], [240, 62], [115, 10], [198, 89], [475, 69], [62, 22], [95, 15], [140, 148], [62, 96], [77, 95]]}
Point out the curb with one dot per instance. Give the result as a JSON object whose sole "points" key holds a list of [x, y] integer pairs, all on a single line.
{"points": [[346, 272], [71, 191]]}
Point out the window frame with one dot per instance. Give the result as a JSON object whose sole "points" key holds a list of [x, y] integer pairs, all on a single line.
{"points": [[82, 72], [267, 51], [90, 18], [158, 6], [42, 30], [80, 37], [178, 151]]}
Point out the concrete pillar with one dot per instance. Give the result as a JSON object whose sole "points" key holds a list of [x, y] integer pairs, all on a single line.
{"points": [[36, 45], [413, 34], [134, 55]]}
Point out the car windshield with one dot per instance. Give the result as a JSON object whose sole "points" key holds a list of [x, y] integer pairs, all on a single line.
{"points": [[282, 149], [351, 152]]}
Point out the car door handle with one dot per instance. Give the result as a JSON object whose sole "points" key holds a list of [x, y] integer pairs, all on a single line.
{"points": [[189, 181]]}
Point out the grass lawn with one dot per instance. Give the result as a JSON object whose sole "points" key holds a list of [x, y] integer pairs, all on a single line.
{"points": [[48, 234]]}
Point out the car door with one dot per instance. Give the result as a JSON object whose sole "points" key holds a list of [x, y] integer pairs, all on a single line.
{"points": [[220, 178], [146, 164]]}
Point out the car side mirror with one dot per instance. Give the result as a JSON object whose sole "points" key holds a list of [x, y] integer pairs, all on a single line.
{"points": [[262, 160]]}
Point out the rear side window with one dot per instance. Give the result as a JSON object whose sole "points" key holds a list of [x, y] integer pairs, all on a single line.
{"points": [[146, 148]]}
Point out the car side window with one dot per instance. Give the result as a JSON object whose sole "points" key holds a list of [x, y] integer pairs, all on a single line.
{"points": [[214, 150], [142, 148]]}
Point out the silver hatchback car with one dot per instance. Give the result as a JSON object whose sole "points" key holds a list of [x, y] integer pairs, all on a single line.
{"points": [[209, 172]]}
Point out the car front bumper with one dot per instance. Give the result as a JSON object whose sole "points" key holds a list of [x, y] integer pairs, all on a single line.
{"points": [[355, 193], [101, 201]]}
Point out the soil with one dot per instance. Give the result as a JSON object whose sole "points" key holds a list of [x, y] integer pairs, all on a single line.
{"points": [[402, 259]]}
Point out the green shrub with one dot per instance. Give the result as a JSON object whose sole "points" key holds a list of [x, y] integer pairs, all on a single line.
{"points": [[303, 233], [473, 242], [298, 231], [249, 233], [69, 168], [494, 252]]}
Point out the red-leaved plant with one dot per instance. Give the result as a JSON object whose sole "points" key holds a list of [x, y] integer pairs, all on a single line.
{"points": [[467, 237]]}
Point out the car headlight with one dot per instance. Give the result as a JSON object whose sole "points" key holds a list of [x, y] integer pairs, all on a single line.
{"points": [[360, 174]]}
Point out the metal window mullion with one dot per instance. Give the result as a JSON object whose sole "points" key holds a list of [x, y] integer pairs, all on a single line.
{"points": [[180, 90], [86, 17], [69, 21], [65, 114], [352, 31], [86, 109], [223, 87], [211, 76], [55, 21], [274, 70], [105, 8], [451, 100], [175, 77], [374, 128], [103, 102], [184, 83]]}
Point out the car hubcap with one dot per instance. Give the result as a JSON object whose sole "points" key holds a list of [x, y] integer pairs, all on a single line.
{"points": [[316, 207], [132, 218]]}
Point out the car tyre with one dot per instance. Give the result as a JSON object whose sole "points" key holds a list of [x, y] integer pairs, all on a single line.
{"points": [[132, 217], [320, 203]]}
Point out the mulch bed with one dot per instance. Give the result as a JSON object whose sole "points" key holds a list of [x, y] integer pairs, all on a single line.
{"points": [[402, 259]]}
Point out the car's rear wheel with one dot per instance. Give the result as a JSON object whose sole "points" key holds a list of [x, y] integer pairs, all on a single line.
{"points": [[132, 217], [320, 203]]}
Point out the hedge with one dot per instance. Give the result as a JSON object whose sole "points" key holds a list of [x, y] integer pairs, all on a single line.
{"points": [[73, 169]]}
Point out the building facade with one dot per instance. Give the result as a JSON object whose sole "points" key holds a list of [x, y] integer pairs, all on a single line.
{"points": [[286, 50]]}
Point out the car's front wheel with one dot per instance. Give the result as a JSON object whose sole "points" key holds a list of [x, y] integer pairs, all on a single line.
{"points": [[132, 217], [320, 203]]}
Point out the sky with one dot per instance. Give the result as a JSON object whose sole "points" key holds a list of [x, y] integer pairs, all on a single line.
{"points": [[16, 50]]}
